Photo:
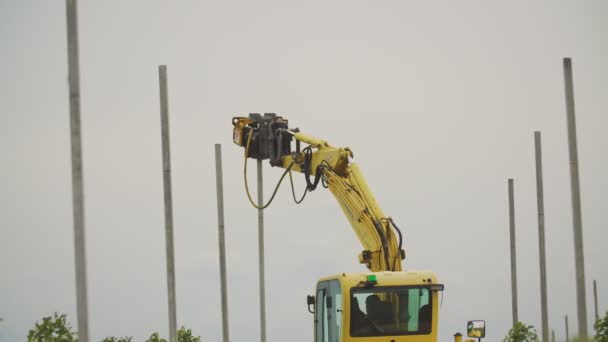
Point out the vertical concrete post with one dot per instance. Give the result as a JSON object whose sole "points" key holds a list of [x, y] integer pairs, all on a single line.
{"points": [[552, 335], [261, 253], [567, 330], [222, 246], [513, 252], [166, 150], [77, 173], [597, 314], [577, 222], [541, 236]]}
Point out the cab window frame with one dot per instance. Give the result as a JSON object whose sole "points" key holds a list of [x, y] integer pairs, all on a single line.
{"points": [[394, 289]]}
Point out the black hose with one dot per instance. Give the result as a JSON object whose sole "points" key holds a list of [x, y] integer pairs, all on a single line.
{"points": [[293, 191], [310, 185], [400, 241], [383, 240]]}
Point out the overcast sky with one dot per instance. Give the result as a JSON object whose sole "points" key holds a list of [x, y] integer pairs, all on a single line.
{"points": [[438, 100]]}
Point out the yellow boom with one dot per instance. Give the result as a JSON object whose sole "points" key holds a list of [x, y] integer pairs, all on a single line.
{"points": [[346, 183], [332, 165]]}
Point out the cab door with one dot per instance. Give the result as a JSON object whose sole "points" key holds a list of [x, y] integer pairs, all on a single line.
{"points": [[328, 312], [321, 319]]}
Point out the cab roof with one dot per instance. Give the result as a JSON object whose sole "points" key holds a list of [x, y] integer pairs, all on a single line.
{"points": [[387, 278]]}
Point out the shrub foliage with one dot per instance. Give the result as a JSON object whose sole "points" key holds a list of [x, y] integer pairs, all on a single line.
{"points": [[522, 333]]}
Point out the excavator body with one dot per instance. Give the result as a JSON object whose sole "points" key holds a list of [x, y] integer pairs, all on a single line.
{"points": [[387, 304]]}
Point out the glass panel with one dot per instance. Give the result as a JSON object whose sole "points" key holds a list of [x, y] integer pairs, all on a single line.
{"points": [[390, 311], [335, 319], [325, 320], [320, 309]]}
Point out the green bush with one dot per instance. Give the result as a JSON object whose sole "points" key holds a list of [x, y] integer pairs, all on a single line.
{"points": [[183, 335], [155, 338], [52, 329], [56, 329], [118, 339], [522, 333], [601, 329]]}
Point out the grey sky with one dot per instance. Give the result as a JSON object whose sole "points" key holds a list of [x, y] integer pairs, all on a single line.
{"points": [[438, 101]]}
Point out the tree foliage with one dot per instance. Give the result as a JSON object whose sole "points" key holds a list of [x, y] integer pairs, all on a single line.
{"points": [[522, 333], [155, 338], [56, 329], [601, 329], [52, 329], [183, 335], [117, 339]]}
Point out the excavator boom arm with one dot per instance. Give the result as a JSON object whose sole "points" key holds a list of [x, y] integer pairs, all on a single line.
{"points": [[265, 138]]}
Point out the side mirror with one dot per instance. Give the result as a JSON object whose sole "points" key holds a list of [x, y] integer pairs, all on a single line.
{"points": [[310, 300], [476, 329]]}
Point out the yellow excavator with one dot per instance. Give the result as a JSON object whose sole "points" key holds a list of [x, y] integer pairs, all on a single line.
{"points": [[387, 303]]}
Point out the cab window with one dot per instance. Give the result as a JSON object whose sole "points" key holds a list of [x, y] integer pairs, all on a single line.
{"points": [[386, 311]]}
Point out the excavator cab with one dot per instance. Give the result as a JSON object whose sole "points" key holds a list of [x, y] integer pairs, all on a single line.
{"points": [[384, 306]]}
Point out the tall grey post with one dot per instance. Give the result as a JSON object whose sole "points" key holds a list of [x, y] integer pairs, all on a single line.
{"points": [[77, 174], [597, 314], [261, 253], [567, 330], [579, 261], [513, 252], [541, 236], [552, 335], [164, 119], [220, 224]]}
